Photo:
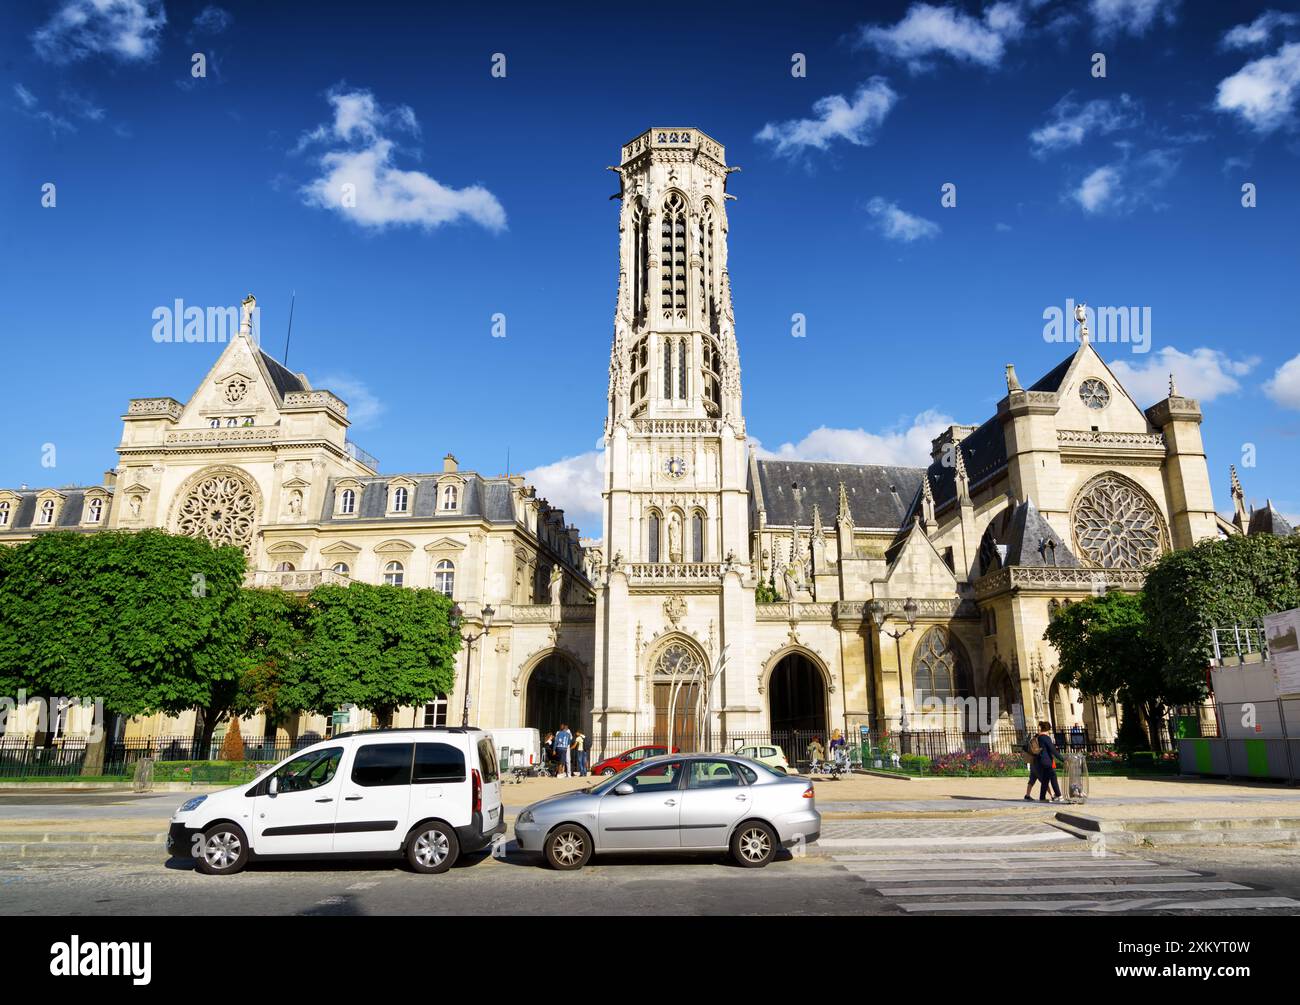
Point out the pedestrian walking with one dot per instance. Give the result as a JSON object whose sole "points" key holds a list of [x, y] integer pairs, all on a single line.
{"points": [[1030, 750], [1047, 763], [548, 751], [816, 752], [563, 743], [580, 751]]}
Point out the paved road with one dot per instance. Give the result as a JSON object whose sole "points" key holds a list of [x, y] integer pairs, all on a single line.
{"points": [[1039, 882]]}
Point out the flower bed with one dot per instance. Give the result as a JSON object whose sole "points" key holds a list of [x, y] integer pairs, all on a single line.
{"points": [[980, 763]]}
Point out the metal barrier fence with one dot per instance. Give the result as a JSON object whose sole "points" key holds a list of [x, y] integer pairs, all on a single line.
{"points": [[1251, 739], [188, 748]]}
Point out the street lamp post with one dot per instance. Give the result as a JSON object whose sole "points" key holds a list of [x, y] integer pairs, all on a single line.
{"points": [[877, 612], [470, 638]]}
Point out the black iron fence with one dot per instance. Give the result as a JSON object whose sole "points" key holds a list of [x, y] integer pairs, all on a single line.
{"points": [[189, 748], [22, 757]]}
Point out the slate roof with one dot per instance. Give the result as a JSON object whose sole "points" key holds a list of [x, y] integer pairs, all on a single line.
{"points": [[984, 453], [879, 495], [284, 379], [1269, 521], [485, 498], [70, 513], [1021, 536]]}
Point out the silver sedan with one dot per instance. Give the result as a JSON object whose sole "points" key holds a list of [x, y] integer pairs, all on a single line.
{"points": [[675, 803]]}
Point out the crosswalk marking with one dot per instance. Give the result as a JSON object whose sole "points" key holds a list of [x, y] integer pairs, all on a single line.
{"points": [[998, 882]]}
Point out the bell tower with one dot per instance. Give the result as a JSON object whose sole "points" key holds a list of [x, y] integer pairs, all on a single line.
{"points": [[675, 497]]}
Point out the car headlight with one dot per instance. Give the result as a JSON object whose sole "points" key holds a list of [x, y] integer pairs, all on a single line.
{"points": [[191, 804], [526, 817]]}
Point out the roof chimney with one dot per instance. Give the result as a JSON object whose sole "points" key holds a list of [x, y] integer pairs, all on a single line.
{"points": [[449, 463]]}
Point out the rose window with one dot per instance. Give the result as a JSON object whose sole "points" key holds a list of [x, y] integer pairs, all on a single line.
{"points": [[1095, 393], [1116, 526], [221, 509], [676, 660]]}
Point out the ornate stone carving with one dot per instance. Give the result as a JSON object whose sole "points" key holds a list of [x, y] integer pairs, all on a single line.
{"points": [[1116, 526], [674, 609], [222, 508]]}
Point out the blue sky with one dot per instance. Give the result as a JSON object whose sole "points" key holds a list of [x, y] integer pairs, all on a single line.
{"points": [[485, 195]]}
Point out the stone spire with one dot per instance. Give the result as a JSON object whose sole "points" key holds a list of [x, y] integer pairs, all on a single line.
{"points": [[844, 526], [1239, 515], [1173, 390]]}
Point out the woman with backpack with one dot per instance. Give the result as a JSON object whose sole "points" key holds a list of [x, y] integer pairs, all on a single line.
{"points": [[1030, 751], [1043, 747]]}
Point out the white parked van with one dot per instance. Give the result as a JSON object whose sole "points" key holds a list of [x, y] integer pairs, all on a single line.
{"points": [[428, 794]]}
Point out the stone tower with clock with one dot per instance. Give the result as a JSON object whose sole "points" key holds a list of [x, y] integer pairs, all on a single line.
{"points": [[676, 589]]}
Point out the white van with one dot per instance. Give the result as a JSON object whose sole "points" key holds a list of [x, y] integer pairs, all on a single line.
{"points": [[428, 794]]}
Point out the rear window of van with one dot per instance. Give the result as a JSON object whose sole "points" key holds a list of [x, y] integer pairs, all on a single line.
{"points": [[487, 759]]}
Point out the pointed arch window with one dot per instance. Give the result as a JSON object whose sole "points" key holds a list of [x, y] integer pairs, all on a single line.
{"points": [[668, 368], [640, 386], [640, 263], [652, 540], [672, 265], [938, 668], [708, 271], [711, 372], [681, 369], [697, 537]]}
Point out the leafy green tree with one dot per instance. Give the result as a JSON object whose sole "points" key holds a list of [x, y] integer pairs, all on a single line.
{"points": [[142, 620], [1221, 583], [376, 647], [1106, 651]]}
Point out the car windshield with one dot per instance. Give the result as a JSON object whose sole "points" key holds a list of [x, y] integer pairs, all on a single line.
{"points": [[607, 784]]}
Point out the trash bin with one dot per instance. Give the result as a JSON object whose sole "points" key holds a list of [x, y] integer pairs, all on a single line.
{"points": [[1076, 769]]}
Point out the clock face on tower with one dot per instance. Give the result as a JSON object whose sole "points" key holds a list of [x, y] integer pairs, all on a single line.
{"points": [[675, 467]]}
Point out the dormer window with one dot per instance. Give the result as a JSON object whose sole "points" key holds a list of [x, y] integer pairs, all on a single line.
{"points": [[4, 514], [47, 513], [450, 497], [348, 502], [399, 500], [96, 510]]}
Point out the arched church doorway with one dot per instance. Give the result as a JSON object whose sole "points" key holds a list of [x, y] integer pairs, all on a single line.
{"points": [[554, 695], [796, 698]]}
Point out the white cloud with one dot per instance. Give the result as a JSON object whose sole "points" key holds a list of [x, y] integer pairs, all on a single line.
{"points": [[212, 20], [1126, 185], [927, 30], [1071, 123], [1098, 190], [905, 444], [574, 484], [1259, 31], [1284, 386], [364, 406], [1263, 92], [853, 121], [898, 224], [360, 181], [30, 106], [125, 30], [1134, 17], [1203, 373]]}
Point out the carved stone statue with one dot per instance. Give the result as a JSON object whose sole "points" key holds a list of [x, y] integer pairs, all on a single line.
{"points": [[295, 503], [791, 578], [674, 540], [557, 585]]}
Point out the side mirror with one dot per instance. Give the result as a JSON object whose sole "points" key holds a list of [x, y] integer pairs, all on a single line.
{"points": [[624, 789], [273, 786]]}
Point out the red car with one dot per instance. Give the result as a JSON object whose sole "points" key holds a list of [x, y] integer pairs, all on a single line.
{"points": [[613, 765]]}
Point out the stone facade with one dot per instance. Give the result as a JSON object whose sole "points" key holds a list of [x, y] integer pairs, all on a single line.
{"points": [[814, 596]]}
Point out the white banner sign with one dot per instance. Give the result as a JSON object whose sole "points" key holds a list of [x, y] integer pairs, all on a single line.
{"points": [[1283, 632]]}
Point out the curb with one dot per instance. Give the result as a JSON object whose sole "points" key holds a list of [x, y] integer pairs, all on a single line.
{"points": [[990, 841]]}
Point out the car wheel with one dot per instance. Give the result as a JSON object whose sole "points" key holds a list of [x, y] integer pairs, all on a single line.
{"points": [[224, 850], [431, 848], [568, 847], [608, 773], [753, 844]]}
